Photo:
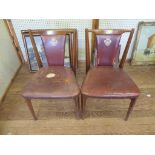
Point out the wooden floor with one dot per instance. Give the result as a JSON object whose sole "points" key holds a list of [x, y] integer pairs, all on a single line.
{"points": [[102, 116]]}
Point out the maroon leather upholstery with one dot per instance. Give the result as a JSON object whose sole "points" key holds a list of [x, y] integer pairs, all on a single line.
{"points": [[109, 82], [107, 49], [54, 46], [62, 85]]}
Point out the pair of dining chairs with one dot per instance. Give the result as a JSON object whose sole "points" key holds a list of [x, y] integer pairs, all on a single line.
{"points": [[105, 77]]}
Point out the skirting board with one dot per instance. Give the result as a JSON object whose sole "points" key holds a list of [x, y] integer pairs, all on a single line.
{"points": [[9, 85]]}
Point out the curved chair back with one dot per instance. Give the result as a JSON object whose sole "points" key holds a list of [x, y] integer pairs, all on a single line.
{"points": [[107, 47], [53, 43]]}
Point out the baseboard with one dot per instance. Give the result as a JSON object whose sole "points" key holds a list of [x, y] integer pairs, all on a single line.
{"points": [[9, 85]]}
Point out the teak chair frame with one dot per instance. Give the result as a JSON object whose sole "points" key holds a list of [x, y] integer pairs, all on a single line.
{"points": [[121, 64]]}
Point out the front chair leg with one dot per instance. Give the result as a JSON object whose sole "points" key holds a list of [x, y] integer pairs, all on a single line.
{"points": [[83, 104], [28, 101], [77, 107], [132, 103]]}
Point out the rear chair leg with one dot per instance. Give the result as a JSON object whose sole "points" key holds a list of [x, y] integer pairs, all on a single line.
{"points": [[28, 101], [83, 104], [130, 109], [77, 107]]}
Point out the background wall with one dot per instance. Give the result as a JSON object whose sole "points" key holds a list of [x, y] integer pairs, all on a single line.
{"points": [[80, 25], [9, 62]]}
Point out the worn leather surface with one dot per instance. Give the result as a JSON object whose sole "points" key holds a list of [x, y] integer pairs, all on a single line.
{"points": [[62, 85], [54, 46], [109, 82], [107, 49]]}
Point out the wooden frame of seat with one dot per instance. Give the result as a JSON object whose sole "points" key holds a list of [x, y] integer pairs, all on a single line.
{"points": [[121, 64]]}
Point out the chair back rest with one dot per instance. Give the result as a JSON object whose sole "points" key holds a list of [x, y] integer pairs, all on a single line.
{"points": [[53, 46], [107, 47]]}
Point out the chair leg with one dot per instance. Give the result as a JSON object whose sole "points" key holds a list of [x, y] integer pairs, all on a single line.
{"points": [[28, 101], [83, 104], [132, 103], [77, 107]]}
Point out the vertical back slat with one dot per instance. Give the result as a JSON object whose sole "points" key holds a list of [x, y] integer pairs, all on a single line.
{"points": [[74, 55], [70, 48], [87, 50]]}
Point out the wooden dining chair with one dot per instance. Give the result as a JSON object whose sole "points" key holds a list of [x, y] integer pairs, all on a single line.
{"points": [[54, 81], [107, 79]]}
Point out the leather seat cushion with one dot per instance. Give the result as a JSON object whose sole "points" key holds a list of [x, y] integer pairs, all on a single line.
{"points": [[52, 82], [109, 82]]}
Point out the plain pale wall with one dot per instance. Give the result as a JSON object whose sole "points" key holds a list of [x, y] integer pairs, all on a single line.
{"points": [[9, 62]]}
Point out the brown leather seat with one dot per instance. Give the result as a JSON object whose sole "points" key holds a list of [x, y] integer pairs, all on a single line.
{"points": [[62, 85], [108, 82], [107, 79]]}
